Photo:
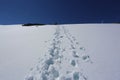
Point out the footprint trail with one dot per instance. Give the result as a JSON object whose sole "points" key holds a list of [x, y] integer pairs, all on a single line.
{"points": [[63, 60]]}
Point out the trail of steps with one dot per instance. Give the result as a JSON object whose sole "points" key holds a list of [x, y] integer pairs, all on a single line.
{"points": [[63, 60]]}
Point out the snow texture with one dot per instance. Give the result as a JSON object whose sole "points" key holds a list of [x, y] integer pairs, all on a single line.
{"points": [[60, 52], [63, 60]]}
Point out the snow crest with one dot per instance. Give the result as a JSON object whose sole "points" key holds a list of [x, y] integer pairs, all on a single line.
{"points": [[63, 60]]}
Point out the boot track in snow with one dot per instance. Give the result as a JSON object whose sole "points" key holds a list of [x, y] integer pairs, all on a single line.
{"points": [[63, 60]]}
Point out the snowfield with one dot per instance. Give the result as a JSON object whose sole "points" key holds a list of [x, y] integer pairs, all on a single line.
{"points": [[60, 52]]}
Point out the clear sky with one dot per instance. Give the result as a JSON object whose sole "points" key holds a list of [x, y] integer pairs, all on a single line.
{"points": [[61, 11]]}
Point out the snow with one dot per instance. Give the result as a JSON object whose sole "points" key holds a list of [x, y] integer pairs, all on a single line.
{"points": [[60, 52]]}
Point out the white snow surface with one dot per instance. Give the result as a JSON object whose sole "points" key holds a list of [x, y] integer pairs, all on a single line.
{"points": [[60, 52]]}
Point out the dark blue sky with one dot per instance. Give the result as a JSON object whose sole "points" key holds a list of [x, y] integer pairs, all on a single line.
{"points": [[61, 11]]}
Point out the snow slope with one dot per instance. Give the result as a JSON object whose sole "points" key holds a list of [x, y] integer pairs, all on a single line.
{"points": [[60, 52]]}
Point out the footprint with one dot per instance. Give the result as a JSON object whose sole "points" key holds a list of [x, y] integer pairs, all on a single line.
{"points": [[73, 63], [76, 76]]}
